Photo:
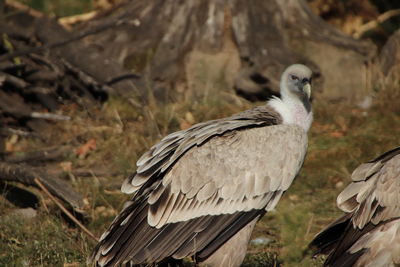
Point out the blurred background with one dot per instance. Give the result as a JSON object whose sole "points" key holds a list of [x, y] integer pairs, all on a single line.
{"points": [[87, 86]]}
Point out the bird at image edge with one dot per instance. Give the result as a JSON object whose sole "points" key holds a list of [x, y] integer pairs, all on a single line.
{"points": [[368, 234], [199, 192]]}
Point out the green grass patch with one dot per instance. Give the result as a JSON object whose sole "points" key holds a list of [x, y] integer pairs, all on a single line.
{"points": [[40, 241]]}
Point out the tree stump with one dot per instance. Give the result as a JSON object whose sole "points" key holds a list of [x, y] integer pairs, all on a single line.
{"points": [[183, 46], [390, 55]]}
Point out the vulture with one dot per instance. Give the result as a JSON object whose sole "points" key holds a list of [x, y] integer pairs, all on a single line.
{"points": [[199, 192], [368, 234]]}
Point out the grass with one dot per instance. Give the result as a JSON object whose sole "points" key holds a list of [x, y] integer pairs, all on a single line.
{"points": [[341, 138], [42, 241]]}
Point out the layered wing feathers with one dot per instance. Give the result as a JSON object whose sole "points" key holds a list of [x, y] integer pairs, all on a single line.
{"points": [[197, 188], [165, 153], [229, 174], [376, 196], [369, 234]]}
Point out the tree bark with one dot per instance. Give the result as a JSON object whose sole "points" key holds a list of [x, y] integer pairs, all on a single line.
{"points": [[249, 42], [390, 56]]}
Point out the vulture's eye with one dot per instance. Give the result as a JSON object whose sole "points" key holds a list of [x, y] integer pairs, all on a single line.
{"points": [[294, 77]]}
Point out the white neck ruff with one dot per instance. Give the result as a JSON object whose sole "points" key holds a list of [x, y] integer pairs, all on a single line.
{"points": [[292, 111]]}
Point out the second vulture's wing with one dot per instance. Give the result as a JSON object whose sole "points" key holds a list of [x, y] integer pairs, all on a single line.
{"points": [[369, 234]]}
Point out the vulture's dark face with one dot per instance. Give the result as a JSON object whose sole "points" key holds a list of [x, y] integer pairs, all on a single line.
{"points": [[298, 80]]}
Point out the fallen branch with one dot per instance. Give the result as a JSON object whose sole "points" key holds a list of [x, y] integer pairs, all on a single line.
{"points": [[19, 6], [86, 78], [10, 131], [91, 173], [66, 22], [7, 66], [49, 116], [15, 81], [72, 217], [25, 174], [376, 22], [75, 37], [31, 157]]}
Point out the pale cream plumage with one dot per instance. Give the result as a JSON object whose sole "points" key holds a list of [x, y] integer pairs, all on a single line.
{"points": [[234, 180]]}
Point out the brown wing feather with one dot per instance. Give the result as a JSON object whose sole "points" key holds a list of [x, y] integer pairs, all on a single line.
{"points": [[165, 153], [376, 197], [222, 176], [370, 232], [187, 198], [138, 243]]}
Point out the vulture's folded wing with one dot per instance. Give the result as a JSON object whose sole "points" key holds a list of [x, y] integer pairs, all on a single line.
{"points": [[202, 193], [155, 163]]}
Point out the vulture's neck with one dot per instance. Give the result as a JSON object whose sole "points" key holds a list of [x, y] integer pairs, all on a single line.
{"points": [[293, 110]]}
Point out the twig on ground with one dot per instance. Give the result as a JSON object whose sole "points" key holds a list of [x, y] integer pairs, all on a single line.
{"points": [[72, 217], [25, 174], [309, 225], [66, 22], [9, 131], [42, 200], [49, 116]]}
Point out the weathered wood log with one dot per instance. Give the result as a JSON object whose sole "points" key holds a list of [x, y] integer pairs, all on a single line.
{"points": [[37, 73], [35, 157], [88, 58], [25, 174]]}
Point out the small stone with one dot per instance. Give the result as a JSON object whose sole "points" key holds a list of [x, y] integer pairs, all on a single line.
{"points": [[26, 213], [189, 117], [366, 103], [261, 241], [339, 184]]}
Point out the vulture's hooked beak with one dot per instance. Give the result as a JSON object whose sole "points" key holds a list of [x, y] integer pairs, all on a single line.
{"points": [[307, 88]]}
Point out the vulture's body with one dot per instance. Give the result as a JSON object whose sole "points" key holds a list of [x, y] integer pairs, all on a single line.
{"points": [[369, 233], [200, 191]]}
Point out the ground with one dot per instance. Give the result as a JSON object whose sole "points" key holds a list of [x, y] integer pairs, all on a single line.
{"points": [[112, 137], [340, 138]]}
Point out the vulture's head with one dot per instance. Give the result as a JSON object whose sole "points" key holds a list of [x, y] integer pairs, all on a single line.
{"points": [[296, 79]]}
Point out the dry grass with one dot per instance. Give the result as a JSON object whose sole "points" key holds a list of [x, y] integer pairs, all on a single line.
{"points": [[341, 138]]}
